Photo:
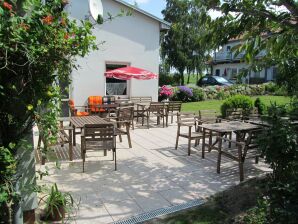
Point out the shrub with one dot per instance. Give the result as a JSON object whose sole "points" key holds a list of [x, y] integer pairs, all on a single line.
{"points": [[280, 149], [237, 101], [260, 105], [183, 93], [198, 94], [166, 79], [165, 92]]}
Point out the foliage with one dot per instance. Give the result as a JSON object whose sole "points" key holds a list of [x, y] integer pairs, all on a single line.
{"points": [[260, 106], [179, 42], [55, 200], [166, 79], [165, 92], [273, 88], [38, 49], [279, 144], [237, 101], [266, 27], [257, 215], [198, 93], [183, 94]]}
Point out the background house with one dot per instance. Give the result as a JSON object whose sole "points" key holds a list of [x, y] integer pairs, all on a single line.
{"points": [[225, 63], [128, 40]]}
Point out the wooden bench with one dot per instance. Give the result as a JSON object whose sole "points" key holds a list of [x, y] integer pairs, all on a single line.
{"points": [[62, 138]]}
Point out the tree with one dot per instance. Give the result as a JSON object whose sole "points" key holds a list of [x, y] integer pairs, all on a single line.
{"points": [[181, 46], [264, 27], [175, 44], [38, 46]]}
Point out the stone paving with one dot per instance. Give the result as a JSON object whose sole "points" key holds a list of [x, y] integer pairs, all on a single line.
{"points": [[151, 175]]}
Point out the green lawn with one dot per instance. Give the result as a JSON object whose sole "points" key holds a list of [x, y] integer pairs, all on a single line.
{"points": [[215, 104]]}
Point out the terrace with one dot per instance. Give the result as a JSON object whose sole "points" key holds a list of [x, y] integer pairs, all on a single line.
{"points": [[151, 176]]}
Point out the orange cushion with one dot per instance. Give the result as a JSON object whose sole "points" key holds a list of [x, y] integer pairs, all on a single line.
{"points": [[82, 113], [94, 102]]}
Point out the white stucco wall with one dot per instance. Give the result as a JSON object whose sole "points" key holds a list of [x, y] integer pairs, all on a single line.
{"points": [[239, 66], [129, 39]]}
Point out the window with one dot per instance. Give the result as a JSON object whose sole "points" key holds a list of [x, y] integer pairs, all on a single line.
{"points": [[233, 73], [257, 74], [217, 72], [228, 48], [115, 86], [274, 73]]}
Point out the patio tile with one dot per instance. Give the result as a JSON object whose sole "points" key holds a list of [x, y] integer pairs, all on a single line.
{"points": [[176, 196], [122, 209], [151, 175], [150, 201], [93, 215]]}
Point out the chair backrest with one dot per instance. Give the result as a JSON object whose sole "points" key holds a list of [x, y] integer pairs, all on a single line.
{"points": [[72, 109], [141, 99], [158, 107], [99, 133], [174, 106], [189, 118], [108, 99], [125, 113], [126, 104], [94, 102], [208, 116], [234, 114]]}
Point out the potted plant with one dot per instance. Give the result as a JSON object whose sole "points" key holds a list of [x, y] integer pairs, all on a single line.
{"points": [[57, 203]]}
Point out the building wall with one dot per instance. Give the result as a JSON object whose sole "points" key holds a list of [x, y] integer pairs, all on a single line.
{"points": [[226, 65], [129, 39], [238, 66]]}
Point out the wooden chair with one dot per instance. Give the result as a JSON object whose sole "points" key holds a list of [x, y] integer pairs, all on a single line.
{"points": [[174, 107], [209, 116], [123, 120], [60, 138], [243, 149], [234, 114], [160, 110], [98, 137], [189, 120], [77, 110], [141, 104]]}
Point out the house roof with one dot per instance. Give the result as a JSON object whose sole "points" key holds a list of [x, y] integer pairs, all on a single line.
{"points": [[143, 12]]}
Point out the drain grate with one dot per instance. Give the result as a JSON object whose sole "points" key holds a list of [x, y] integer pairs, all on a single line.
{"points": [[159, 212]]}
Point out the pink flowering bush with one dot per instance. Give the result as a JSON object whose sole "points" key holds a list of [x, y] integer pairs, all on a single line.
{"points": [[165, 92]]}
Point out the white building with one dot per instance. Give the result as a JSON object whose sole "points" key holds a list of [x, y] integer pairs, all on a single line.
{"points": [[225, 63], [128, 40]]}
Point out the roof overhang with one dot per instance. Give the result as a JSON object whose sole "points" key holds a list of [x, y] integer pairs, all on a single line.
{"points": [[164, 25]]}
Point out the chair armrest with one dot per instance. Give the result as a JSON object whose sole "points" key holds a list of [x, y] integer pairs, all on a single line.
{"points": [[232, 141], [185, 124]]}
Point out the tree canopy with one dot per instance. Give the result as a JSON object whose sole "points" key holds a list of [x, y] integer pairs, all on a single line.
{"points": [[269, 26]]}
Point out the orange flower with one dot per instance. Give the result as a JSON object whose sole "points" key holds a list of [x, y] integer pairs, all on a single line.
{"points": [[7, 6], [48, 19], [24, 26], [63, 22], [66, 36]]}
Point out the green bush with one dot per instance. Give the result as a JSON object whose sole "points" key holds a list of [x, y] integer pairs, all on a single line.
{"points": [[198, 93], [166, 79], [183, 93], [237, 101], [280, 149], [260, 105]]}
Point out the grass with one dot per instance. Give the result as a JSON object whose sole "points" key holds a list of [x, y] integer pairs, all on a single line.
{"points": [[222, 208], [215, 104]]}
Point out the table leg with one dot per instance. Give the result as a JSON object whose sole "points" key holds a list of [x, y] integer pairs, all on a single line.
{"points": [[70, 152], [74, 135], [219, 154], [203, 144], [210, 141]]}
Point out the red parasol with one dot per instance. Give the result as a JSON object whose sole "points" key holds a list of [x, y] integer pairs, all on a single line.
{"points": [[127, 73]]}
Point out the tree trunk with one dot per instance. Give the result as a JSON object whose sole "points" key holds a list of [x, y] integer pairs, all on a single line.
{"points": [[188, 77], [182, 79]]}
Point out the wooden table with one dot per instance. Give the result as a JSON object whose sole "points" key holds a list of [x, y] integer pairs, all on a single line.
{"points": [[238, 127], [78, 122]]}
